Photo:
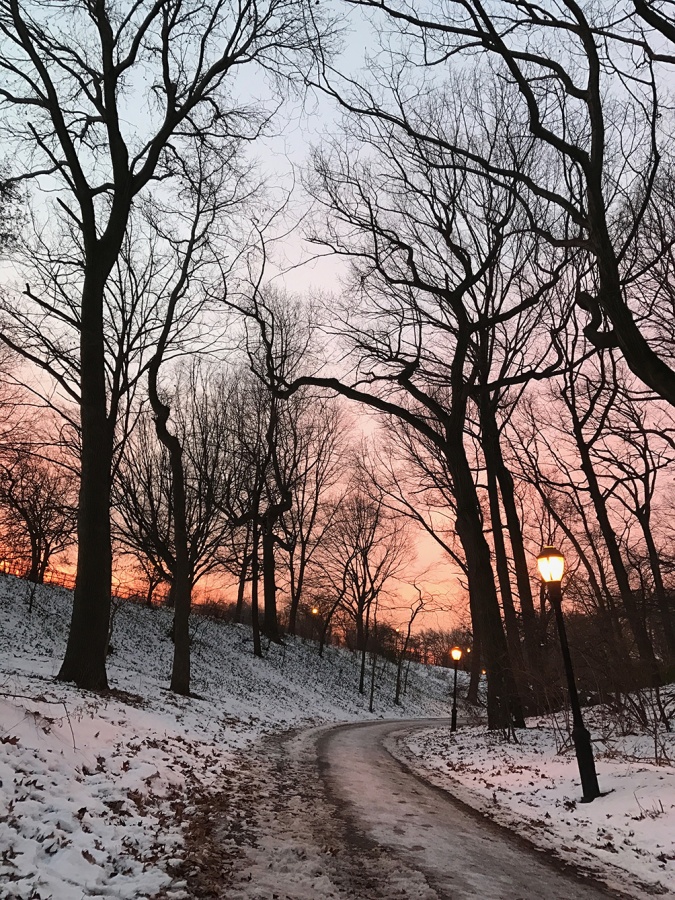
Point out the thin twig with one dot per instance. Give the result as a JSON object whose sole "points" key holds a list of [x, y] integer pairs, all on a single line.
{"points": [[70, 724]]}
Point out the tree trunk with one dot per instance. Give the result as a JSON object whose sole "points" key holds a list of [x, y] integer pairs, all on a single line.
{"points": [[326, 625], [255, 621], [152, 586], [33, 573], [523, 581], [659, 588], [399, 667], [364, 645], [270, 621], [182, 578], [297, 580], [399, 674], [180, 674], [360, 631], [497, 470], [241, 589], [372, 679], [295, 598], [637, 625], [503, 576], [640, 356], [84, 660], [503, 702], [475, 671], [43, 562]]}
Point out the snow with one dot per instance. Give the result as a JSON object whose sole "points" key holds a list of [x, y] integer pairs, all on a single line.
{"points": [[626, 836], [96, 790], [99, 794]]}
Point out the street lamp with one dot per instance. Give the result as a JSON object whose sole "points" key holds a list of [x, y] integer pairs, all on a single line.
{"points": [[551, 565], [456, 654]]}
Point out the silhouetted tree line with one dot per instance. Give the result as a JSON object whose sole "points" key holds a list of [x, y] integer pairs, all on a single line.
{"points": [[502, 193]]}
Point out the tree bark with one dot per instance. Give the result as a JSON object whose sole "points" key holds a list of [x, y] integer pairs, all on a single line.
{"points": [[270, 620], [255, 620], [504, 707], [84, 660], [182, 580]]}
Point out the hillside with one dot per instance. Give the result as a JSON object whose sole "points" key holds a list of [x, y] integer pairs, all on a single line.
{"points": [[95, 790]]}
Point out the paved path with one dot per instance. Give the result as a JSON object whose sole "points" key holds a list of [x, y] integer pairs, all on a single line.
{"points": [[330, 814], [460, 853]]}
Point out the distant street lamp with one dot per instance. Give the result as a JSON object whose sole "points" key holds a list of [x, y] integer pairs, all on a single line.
{"points": [[456, 654], [551, 565], [314, 621]]}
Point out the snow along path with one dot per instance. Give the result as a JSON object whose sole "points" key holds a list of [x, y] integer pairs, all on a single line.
{"points": [[330, 813]]}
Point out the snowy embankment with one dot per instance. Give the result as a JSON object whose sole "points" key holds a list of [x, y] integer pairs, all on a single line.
{"points": [[626, 837], [95, 791]]}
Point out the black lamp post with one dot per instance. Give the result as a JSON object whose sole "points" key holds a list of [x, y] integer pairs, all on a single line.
{"points": [[456, 654], [551, 565]]}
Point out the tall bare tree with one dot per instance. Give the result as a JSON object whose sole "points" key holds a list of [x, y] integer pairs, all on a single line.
{"points": [[438, 257], [561, 91], [315, 438], [367, 548], [101, 100]]}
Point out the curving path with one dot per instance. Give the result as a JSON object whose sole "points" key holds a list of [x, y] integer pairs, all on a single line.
{"points": [[460, 853], [330, 814]]}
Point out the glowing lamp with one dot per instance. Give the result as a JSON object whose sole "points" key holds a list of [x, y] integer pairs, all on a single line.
{"points": [[456, 653], [551, 565]]}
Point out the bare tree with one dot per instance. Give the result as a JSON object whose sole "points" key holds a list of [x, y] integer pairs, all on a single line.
{"points": [[367, 548], [242, 501], [415, 609], [37, 508], [636, 459], [142, 492], [72, 74], [315, 438], [141, 500], [212, 188], [560, 89], [438, 257], [276, 347]]}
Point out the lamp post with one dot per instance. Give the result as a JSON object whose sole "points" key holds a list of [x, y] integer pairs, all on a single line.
{"points": [[314, 621], [456, 654], [551, 565]]}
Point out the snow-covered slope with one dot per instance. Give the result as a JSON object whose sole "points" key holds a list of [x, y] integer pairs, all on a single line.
{"points": [[626, 837], [94, 789]]}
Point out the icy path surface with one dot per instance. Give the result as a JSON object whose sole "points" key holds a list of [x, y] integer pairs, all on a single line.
{"points": [[330, 813]]}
